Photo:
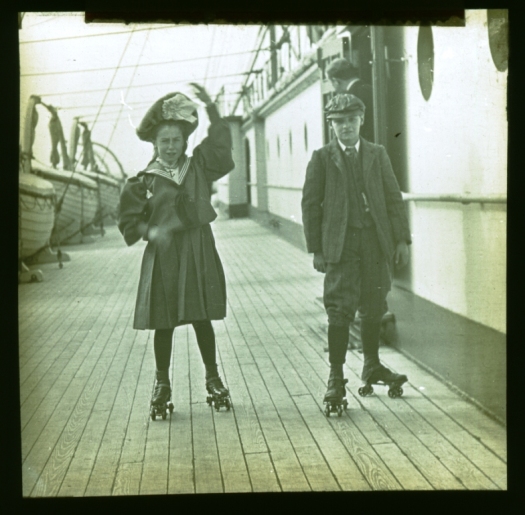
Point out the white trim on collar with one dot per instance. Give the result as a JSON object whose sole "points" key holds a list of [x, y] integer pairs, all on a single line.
{"points": [[344, 147], [181, 172]]}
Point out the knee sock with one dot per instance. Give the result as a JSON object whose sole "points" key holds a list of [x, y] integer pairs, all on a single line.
{"points": [[370, 329], [337, 346], [162, 343], [206, 340]]}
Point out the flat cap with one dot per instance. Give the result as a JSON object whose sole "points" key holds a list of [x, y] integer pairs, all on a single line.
{"points": [[173, 106], [341, 69], [343, 105]]}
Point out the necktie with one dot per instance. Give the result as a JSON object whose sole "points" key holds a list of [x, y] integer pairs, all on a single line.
{"points": [[351, 152]]}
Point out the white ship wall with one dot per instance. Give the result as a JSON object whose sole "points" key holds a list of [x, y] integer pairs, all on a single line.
{"points": [[458, 144], [288, 168]]}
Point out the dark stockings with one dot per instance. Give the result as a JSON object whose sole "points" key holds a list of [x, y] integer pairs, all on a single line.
{"points": [[337, 345], [370, 329], [162, 344], [206, 340]]}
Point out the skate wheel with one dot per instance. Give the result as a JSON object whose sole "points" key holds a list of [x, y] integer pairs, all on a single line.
{"points": [[395, 392], [37, 277], [365, 390]]}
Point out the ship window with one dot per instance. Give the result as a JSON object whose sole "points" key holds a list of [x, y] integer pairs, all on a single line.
{"points": [[498, 27], [305, 137], [425, 60]]}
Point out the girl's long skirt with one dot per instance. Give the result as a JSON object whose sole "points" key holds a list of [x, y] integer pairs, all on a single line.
{"points": [[181, 281]]}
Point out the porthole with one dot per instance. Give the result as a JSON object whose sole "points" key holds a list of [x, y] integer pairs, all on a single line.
{"points": [[498, 28], [425, 60], [305, 137]]}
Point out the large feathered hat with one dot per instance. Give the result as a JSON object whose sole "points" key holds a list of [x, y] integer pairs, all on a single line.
{"points": [[173, 106]]}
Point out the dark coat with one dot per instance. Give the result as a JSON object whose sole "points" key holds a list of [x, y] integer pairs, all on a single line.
{"points": [[181, 278], [325, 200], [364, 92]]}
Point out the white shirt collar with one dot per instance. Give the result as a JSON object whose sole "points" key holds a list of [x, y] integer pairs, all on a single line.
{"points": [[356, 146]]}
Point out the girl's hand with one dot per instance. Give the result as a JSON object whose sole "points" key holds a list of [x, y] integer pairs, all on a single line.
{"points": [[201, 93]]}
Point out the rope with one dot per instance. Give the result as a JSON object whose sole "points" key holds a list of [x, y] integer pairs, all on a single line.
{"points": [[162, 63], [153, 84], [94, 35], [59, 203], [125, 95]]}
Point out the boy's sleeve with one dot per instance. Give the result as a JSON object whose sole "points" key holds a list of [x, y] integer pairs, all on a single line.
{"points": [[312, 203]]}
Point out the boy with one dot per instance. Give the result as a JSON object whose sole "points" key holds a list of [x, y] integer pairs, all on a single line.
{"points": [[355, 224]]}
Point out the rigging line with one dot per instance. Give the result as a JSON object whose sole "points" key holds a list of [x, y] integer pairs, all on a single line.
{"points": [[194, 135], [88, 117], [209, 60], [137, 103], [126, 94], [263, 34], [140, 85], [162, 63], [95, 106], [97, 35], [107, 91]]}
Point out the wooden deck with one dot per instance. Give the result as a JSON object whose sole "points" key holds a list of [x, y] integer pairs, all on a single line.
{"points": [[86, 379]]}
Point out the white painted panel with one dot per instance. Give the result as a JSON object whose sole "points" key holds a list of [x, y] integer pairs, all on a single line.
{"points": [[458, 144], [288, 168]]}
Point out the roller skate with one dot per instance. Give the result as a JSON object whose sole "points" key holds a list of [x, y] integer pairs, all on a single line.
{"points": [[218, 396], [159, 402], [334, 399], [381, 375]]}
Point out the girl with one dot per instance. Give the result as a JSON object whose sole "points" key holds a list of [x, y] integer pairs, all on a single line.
{"points": [[168, 205]]}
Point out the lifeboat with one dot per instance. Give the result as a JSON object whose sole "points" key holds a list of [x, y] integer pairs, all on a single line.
{"points": [[77, 199], [36, 214], [109, 196]]}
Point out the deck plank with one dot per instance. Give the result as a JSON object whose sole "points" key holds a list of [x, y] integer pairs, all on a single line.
{"points": [[208, 476], [63, 451], [86, 381], [181, 473]]}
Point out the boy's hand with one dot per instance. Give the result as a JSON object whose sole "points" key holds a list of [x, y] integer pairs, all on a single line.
{"points": [[142, 228], [319, 262], [401, 256]]}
